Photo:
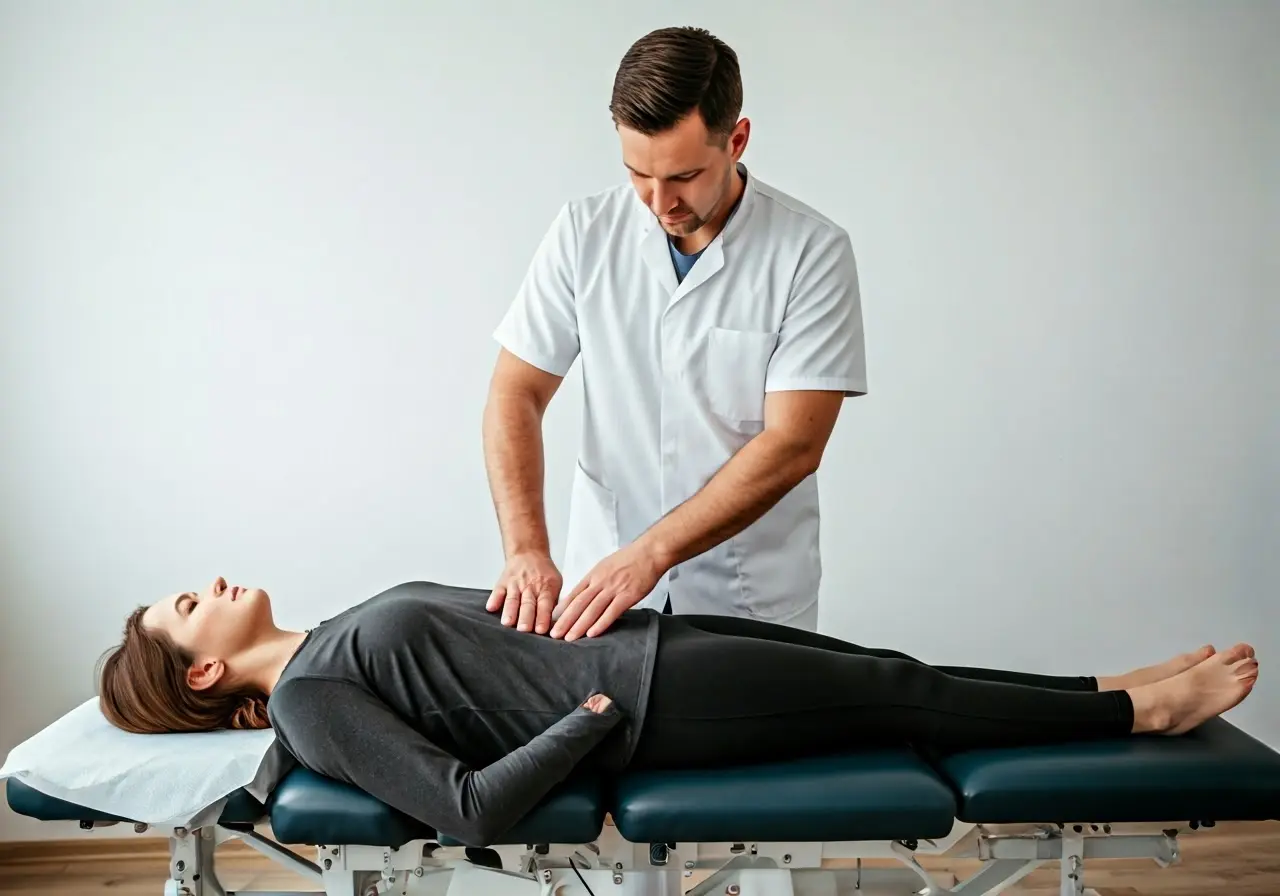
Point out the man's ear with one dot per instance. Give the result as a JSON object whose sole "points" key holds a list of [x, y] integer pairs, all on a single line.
{"points": [[204, 674], [738, 138]]}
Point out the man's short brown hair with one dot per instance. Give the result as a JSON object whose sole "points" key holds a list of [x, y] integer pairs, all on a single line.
{"points": [[670, 73]]}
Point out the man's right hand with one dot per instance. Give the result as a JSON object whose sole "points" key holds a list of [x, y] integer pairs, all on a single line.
{"points": [[527, 592]]}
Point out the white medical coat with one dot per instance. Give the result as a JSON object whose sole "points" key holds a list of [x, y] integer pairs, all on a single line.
{"points": [[675, 376]]}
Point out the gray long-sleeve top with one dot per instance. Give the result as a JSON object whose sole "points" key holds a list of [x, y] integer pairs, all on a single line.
{"points": [[422, 698]]}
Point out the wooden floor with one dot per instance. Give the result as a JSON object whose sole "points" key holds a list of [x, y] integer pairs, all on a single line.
{"points": [[1232, 860]]}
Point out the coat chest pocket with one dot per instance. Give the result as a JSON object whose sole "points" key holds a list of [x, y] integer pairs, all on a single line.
{"points": [[737, 362]]}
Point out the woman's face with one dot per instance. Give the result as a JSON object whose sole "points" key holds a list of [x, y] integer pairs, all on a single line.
{"points": [[213, 625]]}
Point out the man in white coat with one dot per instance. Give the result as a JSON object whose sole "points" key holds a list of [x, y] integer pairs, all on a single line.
{"points": [[719, 326]]}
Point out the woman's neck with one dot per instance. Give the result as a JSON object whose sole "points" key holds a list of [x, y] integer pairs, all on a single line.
{"points": [[266, 660]]}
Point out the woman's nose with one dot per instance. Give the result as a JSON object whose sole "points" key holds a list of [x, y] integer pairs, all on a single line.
{"points": [[219, 585]]}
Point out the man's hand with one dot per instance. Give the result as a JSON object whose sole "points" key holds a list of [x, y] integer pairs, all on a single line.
{"points": [[616, 584], [527, 592]]}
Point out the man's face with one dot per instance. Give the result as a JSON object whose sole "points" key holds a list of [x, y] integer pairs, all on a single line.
{"points": [[683, 175]]}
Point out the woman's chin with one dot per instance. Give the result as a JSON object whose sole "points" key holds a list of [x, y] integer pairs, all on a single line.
{"points": [[257, 604]]}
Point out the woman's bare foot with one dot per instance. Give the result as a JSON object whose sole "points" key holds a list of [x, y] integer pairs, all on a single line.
{"points": [[1192, 697], [1158, 672]]}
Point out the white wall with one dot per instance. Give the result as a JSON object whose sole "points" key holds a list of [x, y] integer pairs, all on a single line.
{"points": [[251, 256]]}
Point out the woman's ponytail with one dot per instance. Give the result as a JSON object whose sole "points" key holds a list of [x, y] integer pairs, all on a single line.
{"points": [[251, 713]]}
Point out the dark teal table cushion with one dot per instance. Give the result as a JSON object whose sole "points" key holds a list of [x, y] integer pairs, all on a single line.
{"points": [[25, 800], [883, 795], [309, 809], [1215, 773]]}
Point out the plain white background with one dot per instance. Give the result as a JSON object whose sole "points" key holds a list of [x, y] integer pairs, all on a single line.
{"points": [[251, 255]]}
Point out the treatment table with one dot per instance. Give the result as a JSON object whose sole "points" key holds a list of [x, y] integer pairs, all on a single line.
{"points": [[797, 828]]}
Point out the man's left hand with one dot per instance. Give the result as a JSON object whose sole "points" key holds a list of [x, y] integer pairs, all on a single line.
{"points": [[615, 585]]}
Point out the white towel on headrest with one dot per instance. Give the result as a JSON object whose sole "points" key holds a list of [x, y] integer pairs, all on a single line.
{"points": [[172, 780]]}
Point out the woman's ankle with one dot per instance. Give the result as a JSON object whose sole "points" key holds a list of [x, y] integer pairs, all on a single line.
{"points": [[1151, 713]]}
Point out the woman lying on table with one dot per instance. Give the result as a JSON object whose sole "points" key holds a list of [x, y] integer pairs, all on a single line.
{"points": [[423, 699]]}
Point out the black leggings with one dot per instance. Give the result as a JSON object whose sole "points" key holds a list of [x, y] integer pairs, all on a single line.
{"points": [[727, 690]]}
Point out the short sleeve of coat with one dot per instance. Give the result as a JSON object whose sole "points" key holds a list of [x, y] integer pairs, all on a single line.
{"points": [[541, 327], [820, 343]]}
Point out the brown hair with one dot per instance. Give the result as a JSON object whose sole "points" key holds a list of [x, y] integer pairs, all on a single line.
{"points": [[670, 73], [143, 689]]}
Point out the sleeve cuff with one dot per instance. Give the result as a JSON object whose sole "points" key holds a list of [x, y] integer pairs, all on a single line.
{"points": [[850, 386], [544, 361]]}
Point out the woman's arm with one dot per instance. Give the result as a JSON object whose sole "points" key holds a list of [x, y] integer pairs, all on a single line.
{"points": [[341, 731]]}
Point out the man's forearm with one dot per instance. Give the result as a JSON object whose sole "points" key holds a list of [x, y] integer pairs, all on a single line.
{"points": [[753, 480], [513, 454]]}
